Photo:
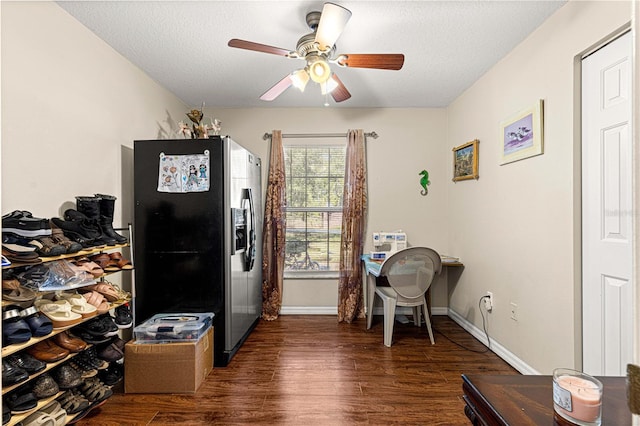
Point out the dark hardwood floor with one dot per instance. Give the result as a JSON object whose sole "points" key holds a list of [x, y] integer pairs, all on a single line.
{"points": [[301, 370]]}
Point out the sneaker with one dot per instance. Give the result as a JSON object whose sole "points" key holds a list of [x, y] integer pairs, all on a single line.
{"points": [[109, 324], [112, 375], [83, 368], [24, 224], [100, 327], [123, 316], [90, 358]]}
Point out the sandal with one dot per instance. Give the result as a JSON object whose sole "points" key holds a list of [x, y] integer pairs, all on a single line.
{"points": [[89, 266], [79, 305], [73, 403], [94, 390], [96, 299], [47, 247], [40, 325], [55, 411], [38, 419], [106, 289], [58, 236], [14, 329], [19, 295], [15, 253], [122, 263], [122, 295], [105, 262], [60, 313], [82, 414]]}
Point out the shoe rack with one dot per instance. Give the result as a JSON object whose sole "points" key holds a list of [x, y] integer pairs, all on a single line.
{"points": [[15, 348]]}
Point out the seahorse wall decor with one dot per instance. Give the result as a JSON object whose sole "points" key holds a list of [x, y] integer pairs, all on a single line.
{"points": [[424, 182]]}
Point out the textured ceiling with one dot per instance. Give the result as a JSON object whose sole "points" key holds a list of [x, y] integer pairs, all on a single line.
{"points": [[182, 45]]}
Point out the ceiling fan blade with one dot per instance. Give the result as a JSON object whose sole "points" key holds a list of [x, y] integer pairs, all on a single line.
{"points": [[277, 89], [258, 47], [340, 93], [332, 22], [382, 61]]}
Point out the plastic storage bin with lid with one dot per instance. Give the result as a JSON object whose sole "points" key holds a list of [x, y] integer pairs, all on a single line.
{"points": [[169, 328]]}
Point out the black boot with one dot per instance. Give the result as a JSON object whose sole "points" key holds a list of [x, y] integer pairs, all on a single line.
{"points": [[107, 207], [90, 207]]}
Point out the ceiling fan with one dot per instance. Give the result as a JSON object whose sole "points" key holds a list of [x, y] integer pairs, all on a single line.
{"points": [[317, 49]]}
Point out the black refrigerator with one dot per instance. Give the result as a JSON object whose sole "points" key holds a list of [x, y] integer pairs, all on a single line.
{"points": [[198, 235]]}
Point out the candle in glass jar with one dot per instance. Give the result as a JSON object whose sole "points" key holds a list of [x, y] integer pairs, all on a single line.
{"points": [[586, 398]]}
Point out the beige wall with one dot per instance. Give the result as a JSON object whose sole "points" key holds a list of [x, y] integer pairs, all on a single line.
{"points": [[69, 102], [517, 227]]}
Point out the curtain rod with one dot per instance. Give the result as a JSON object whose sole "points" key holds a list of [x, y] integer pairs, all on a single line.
{"points": [[266, 136]]}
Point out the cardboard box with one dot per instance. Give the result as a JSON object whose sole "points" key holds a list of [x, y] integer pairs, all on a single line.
{"points": [[168, 367]]}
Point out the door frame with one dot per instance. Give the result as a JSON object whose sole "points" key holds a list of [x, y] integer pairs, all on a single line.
{"points": [[577, 179], [635, 122]]}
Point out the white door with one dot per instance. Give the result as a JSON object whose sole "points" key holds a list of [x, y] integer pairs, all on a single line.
{"points": [[607, 209]]}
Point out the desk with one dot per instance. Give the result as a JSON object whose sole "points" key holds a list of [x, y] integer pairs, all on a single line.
{"points": [[372, 272], [525, 400]]}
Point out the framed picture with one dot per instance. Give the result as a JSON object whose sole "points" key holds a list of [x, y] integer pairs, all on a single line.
{"points": [[465, 161], [522, 134]]}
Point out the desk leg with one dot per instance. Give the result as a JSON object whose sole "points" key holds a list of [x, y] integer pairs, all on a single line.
{"points": [[371, 294]]}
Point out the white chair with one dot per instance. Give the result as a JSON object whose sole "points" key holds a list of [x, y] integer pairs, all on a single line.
{"points": [[410, 273]]}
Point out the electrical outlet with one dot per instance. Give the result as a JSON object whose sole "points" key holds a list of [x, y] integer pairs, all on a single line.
{"points": [[514, 311], [488, 301]]}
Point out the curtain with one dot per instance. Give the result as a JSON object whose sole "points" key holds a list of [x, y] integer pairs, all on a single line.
{"points": [[354, 207], [274, 232]]}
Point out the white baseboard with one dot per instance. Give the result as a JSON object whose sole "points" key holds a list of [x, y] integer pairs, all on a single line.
{"points": [[496, 347], [333, 310], [439, 310], [309, 310], [409, 311]]}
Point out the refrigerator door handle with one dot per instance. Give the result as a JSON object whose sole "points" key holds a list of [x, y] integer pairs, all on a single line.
{"points": [[250, 253]]}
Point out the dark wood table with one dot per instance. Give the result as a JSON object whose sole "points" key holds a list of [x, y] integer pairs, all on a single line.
{"points": [[521, 400]]}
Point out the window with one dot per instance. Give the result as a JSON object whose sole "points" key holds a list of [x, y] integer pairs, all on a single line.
{"points": [[315, 182]]}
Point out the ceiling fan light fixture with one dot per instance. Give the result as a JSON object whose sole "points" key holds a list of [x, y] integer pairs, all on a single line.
{"points": [[299, 79], [319, 70], [318, 50], [332, 22]]}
